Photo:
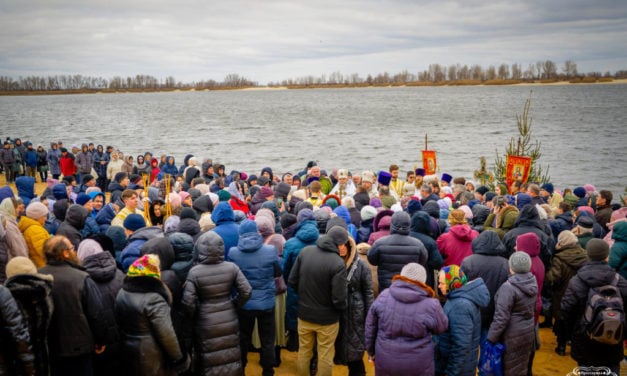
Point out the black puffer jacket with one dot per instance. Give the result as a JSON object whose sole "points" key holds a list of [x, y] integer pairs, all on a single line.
{"points": [[396, 250], [319, 278], [420, 227], [103, 270], [350, 343], [513, 322], [33, 295], [209, 304], [584, 351], [487, 262], [529, 221], [73, 224], [16, 355], [142, 311]]}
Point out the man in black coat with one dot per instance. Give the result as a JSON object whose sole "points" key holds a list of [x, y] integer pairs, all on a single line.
{"points": [[80, 321], [529, 221], [319, 278], [594, 273]]}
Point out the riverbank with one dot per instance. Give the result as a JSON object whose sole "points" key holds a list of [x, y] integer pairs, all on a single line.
{"points": [[584, 81]]}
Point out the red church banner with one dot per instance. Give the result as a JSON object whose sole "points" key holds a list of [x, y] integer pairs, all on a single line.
{"points": [[429, 162], [517, 169]]}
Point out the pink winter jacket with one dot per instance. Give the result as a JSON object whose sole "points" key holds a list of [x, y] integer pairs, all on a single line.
{"points": [[456, 244]]}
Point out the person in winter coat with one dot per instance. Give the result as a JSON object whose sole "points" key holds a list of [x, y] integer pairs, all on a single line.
{"points": [[456, 244], [12, 242], [513, 322], [487, 262], [154, 169], [568, 258], [210, 305], [42, 163], [25, 188], [529, 221], [594, 273], [306, 234], [170, 166], [503, 217], [16, 352], [115, 165], [396, 250], [260, 265], [32, 292], [84, 161], [319, 278], [530, 244], [34, 232], [30, 161], [54, 155], [351, 341], [142, 311], [224, 218], [101, 163], [618, 252], [457, 349], [66, 163], [380, 226], [400, 324], [80, 322], [73, 224], [189, 224], [420, 227], [366, 225], [563, 220], [137, 234]]}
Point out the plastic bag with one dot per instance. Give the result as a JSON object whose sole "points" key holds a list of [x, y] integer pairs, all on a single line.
{"points": [[490, 362]]}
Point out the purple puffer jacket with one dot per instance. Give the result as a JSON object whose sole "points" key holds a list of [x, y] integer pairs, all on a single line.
{"points": [[399, 328]]}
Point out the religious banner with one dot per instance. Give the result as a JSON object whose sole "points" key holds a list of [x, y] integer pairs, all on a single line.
{"points": [[429, 162], [517, 169]]}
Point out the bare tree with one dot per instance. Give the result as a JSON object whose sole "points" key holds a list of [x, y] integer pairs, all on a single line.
{"points": [[503, 72], [549, 69], [570, 69]]}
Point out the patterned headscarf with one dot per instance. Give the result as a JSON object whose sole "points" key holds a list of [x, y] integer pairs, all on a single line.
{"points": [[454, 277], [145, 266]]}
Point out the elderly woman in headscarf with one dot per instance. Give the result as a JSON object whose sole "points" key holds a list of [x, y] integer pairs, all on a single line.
{"points": [[457, 349]]}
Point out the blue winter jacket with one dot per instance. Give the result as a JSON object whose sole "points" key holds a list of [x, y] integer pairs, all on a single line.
{"points": [[306, 233], [132, 251], [342, 212], [260, 264], [224, 218], [457, 349], [25, 188], [104, 217], [170, 166], [31, 158]]}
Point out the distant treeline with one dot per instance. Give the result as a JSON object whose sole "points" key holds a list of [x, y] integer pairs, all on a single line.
{"points": [[436, 74]]}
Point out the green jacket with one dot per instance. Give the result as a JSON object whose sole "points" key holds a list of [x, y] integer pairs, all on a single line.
{"points": [[504, 222]]}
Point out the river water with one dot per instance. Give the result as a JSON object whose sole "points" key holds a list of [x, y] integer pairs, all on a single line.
{"points": [[582, 128]]}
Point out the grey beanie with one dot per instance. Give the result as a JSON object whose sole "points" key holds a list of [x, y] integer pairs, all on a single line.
{"points": [[338, 234], [597, 249], [520, 262], [415, 272]]}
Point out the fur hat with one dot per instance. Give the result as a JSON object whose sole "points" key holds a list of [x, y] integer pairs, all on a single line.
{"points": [[415, 272], [82, 198], [520, 262], [446, 177], [24, 265], [457, 217], [565, 239], [36, 210], [134, 222], [580, 192], [597, 250], [454, 277], [368, 212], [384, 178], [145, 266], [88, 247], [420, 171]]}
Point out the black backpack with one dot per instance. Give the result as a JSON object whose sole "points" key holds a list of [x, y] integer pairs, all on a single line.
{"points": [[604, 316]]}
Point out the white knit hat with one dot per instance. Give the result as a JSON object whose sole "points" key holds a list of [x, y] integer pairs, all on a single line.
{"points": [[415, 272], [36, 210]]}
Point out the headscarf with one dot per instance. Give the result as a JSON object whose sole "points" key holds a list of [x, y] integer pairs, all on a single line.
{"points": [[454, 277], [145, 266]]}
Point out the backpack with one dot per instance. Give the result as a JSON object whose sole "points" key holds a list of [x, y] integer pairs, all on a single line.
{"points": [[604, 315]]}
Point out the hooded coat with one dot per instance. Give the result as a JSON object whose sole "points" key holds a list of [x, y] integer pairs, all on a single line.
{"points": [[564, 266], [456, 244], [224, 218], [396, 250], [306, 234], [584, 350], [16, 356], [35, 236], [53, 161], [420, 227], [487, 263], [136, 240], [380, 226], [25, 188], [529, 221], [84, 160], [170, 166], [457, 349], [12, 242], [142, 310], [561, 222], [73, 224], [399, 326], [209, 303], [513, 322], [103, 270], [618, 252], [504, 222]]}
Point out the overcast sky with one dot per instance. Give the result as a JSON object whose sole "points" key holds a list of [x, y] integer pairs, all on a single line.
{"points": [[275, 40]]}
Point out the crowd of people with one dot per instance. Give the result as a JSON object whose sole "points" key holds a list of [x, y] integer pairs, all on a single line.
{"points": [[138, 266]]}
